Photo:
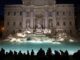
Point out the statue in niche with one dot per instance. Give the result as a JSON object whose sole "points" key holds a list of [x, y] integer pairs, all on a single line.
{"points": [[28, 24], [39, 24], [38, 20], [50, 23]]}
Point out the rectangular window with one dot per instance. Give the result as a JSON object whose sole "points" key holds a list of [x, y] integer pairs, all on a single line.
{"points": [[8, 23], [14, 13], [63, 13], [64, 23], [21, 13], [70, 23], [58, 24], [57, 13], [20, 23], [70, 31], [8, 13], [13, 23]]}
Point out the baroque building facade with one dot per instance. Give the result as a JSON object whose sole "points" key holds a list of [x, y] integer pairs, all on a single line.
{"points": [[39, 17]]}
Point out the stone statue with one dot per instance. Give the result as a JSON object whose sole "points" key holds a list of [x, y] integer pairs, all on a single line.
{"points": [[38, 25]]}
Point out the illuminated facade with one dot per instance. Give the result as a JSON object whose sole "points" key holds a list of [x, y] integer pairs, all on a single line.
{"points": [[39, 17]]}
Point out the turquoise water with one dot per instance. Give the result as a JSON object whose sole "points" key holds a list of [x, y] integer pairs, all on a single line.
{"points": [[71, 47]]}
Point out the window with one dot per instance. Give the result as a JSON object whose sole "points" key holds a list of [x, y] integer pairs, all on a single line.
{"points": [[21, 13], [8, 23], [70, 31], [14, 13], [20, 23], [64, 23], [58, 23], [13, 23], [63, 13], [70, 23], [8, 13], [57, 13]]}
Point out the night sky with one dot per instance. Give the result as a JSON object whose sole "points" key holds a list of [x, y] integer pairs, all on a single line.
{"points": [[76, 2], [4, 2]]}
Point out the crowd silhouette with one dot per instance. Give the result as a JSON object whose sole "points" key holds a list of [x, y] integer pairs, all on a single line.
{"points": [[41, 55]]}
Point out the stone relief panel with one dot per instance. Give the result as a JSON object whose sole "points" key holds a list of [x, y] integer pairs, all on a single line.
{"points": [[27, 2], [51, 2], [39, 11]]}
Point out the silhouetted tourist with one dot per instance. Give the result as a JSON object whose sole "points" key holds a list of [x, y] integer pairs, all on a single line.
{"points": [[49, 54], [32, 53], [57, 55], [76, 55], [41, 54], [2, 54], [28, 55]]}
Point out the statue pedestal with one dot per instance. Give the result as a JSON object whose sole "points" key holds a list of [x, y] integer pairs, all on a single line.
{"points": [[38, 31]]}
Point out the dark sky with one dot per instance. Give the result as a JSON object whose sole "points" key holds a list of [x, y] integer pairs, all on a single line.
{"points": [[4, 2]]}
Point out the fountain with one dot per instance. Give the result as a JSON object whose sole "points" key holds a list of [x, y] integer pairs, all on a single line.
{"points": [[26, 37]]}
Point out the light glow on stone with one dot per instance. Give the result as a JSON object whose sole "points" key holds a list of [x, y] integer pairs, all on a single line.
{"points": [[56, 43], [61, 39], [13, 39], [71, 40], [36, 38], [33, 41], [21, 35], [18, 40], [28, 32]]}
